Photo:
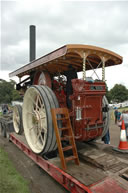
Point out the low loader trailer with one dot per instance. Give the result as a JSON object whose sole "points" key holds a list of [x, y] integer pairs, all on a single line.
{"points": [[63, 116], [101, 169]]}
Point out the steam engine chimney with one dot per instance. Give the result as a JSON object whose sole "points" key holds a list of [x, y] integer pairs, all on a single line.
{"points": [[32, 43]]}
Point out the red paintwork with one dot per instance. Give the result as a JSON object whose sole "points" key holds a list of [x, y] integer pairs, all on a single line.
{"points": [[42, 78], [59, 90], [107, 185], [91, 95]]}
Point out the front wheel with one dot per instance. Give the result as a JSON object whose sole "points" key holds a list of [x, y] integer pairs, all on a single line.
{"points": [[17, 119]]}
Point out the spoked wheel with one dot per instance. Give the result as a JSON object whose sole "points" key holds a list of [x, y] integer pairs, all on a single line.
{"points": [[37, 119], [17, 119], [106, 116]]}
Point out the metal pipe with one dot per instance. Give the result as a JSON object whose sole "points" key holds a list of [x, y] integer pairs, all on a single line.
{"points": [[78, 113], [32, 43]]}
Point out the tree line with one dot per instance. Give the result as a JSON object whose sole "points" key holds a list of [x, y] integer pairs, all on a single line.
{"points": [[8, 93], [118, 94]]}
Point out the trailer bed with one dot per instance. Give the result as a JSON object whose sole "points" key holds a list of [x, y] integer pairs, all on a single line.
{"points": [[101, 169]]}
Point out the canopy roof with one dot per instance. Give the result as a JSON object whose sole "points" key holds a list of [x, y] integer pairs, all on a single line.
{"points": [[59, 60]]}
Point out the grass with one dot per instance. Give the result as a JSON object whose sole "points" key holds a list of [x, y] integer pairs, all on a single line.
{"points": [[10, 180]]}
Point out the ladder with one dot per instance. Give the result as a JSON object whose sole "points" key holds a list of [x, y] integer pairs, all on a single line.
{"points": [[61, 115]]}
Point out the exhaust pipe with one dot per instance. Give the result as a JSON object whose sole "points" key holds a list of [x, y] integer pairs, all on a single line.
{"points": [[32, 42]]}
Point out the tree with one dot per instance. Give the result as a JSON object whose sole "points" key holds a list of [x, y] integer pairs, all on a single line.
{"points": [[118, 93], [7, 91]]}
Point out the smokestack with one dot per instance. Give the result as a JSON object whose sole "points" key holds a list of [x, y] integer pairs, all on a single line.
{"points": [[32, 42]]}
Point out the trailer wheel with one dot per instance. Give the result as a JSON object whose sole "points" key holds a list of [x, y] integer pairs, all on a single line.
{"points": [[37, 119], [17, 119]]}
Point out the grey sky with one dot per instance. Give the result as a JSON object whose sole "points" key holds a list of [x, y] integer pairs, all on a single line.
{"points": [[99, 23]]}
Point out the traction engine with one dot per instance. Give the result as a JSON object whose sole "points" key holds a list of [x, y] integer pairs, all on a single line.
{"points": [[45, 88]]}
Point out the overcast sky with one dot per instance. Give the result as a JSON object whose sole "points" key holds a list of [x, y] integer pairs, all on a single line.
{"points": [[99, 23]]}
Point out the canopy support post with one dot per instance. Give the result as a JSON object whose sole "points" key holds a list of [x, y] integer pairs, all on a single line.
{"points": [[103, 69], [84, 66]]}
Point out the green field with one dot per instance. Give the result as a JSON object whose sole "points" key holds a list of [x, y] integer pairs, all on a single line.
{"points": [[10, 180]]}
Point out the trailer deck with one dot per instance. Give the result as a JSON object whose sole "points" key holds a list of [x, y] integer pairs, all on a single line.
{"points": [[101, 169]]}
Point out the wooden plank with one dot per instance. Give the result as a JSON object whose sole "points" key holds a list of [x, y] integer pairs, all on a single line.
{"points": [[85, 173], [101, 159]]}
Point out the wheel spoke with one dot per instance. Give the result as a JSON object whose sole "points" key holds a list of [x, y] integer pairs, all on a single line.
{"points": [[17, 118], [31, 113], [17, 121], [39, 100], [44, 130], [43, 117], [41, 138], [42, 110], [37, 103], [17, 114], [37, 138], [31, 128], [32, 100]]}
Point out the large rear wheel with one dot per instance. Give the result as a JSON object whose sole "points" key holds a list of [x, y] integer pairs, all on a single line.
{"points": [[37, 119]]}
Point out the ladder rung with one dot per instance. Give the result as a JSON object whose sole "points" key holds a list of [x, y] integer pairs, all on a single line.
{"points": [[63, 118], [70, 158], [64, 128], [67, 148], [66, 138]]}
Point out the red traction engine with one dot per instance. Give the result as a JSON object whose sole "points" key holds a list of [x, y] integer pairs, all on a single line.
{"points": [[89, 106], [45, 88]]}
